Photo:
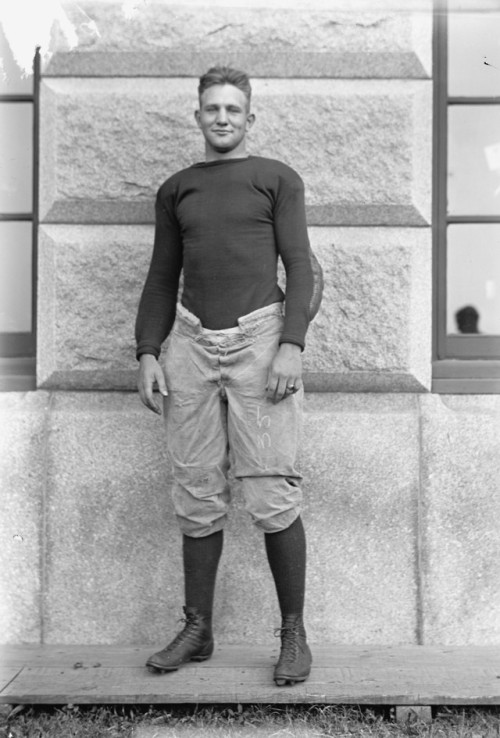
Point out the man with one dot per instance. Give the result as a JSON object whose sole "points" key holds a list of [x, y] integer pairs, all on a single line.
{"points": [[232, 385]]}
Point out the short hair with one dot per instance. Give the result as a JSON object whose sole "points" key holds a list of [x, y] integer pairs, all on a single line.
{"points": [[467, 319], [220, 75]]}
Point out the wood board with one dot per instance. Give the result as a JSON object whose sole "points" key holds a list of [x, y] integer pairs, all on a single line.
{"points": [[407, 675]]}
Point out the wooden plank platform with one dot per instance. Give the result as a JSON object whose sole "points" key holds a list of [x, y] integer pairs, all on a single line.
{"points": [[370, 675]]}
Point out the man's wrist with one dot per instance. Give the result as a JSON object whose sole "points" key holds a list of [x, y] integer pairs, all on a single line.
{"points": [[291, 347]]}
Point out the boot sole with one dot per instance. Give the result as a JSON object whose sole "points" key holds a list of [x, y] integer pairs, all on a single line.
{"points": [[283, 681], [159, 669]]}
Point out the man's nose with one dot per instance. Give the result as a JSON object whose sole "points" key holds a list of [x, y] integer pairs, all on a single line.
{"points": [[222, 117]]}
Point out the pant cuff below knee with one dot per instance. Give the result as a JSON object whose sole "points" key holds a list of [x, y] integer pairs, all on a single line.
{"points": [[200, 530], [278, 522]]}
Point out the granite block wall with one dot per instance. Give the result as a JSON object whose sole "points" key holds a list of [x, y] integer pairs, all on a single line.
{"points": [[117, 120], [401, 487]]}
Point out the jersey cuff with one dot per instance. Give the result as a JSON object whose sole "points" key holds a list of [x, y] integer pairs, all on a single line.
{"points": [[291, 339], [146, 350]]}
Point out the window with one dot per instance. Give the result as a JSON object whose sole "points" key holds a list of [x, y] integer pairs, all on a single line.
{"points": [[467, 199], [18, 221]]}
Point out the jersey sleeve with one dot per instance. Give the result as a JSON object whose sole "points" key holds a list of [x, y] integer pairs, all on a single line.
{"points": [[156, 313], [304, 276]]}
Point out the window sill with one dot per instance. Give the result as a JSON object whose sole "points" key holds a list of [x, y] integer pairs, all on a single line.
{"points": [[18, 375], [460, 376]]}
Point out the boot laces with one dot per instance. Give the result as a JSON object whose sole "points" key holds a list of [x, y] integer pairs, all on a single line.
{"points": [[290, 642], [190, 627]]}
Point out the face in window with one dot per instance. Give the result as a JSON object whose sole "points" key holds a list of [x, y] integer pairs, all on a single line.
{"points": [[224, 119]]}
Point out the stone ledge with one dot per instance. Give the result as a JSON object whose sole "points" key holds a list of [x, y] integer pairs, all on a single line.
{"points": [[109, 380], [366, 162], [165, 40], [362, 382], [97, 212], [322, 382], [313, 65]]}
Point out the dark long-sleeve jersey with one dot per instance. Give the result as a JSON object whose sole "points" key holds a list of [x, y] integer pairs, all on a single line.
{"points": [[224, 223]]}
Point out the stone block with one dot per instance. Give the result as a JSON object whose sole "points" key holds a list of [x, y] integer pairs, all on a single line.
{"points": [[113, 548], [112, 568], [160, 39], [23, 443], [113, 551], [90, 284], [460, 512], [372, 333], [365, 159], [360, 460]]}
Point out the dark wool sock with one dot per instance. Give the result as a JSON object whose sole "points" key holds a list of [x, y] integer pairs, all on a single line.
{"points": [[286, 553], [201, 559]]}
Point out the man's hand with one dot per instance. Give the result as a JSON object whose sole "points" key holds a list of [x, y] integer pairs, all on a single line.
{"points": [[285, 373], [149, 373]]}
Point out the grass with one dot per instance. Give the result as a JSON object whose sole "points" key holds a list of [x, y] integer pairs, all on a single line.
{"points": [[241, 721]]}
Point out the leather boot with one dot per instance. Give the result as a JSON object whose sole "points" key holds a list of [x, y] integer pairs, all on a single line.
{"points": [[193, 643], [295, 659]]}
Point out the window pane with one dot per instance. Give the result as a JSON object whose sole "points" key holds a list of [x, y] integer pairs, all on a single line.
{"points": [[16, 157], [12, 79], [15, 277], [473, 39], [473, 278], [474, 159]]}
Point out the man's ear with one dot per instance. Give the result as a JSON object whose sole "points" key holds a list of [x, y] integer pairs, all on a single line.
{"points": [[197, 118], [250, 120]]}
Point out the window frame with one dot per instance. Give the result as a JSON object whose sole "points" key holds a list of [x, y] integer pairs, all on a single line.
{"points": [[471, 370], [18, 362]]}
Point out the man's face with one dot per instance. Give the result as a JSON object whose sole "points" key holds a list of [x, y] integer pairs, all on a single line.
{"points": [[224, 119]]}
